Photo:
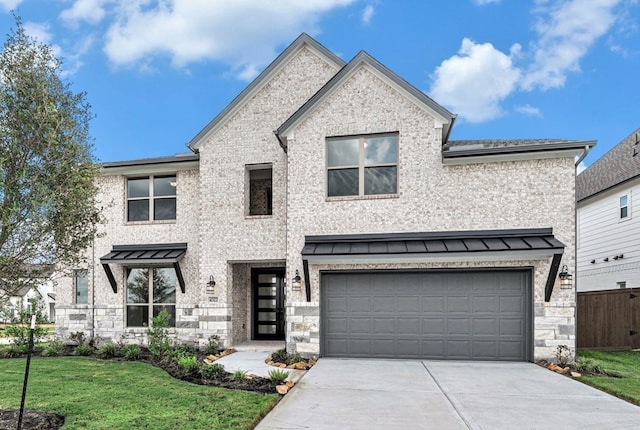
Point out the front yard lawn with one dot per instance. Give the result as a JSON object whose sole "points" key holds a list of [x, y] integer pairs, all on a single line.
{"points": [[105, 394], [623, 368]]}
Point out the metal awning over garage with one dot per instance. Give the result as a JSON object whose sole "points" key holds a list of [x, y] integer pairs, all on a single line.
{"points": [[147, 254], [476, 245]]}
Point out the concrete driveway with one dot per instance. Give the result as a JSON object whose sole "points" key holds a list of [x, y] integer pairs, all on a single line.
{"points": [[413, 394]]}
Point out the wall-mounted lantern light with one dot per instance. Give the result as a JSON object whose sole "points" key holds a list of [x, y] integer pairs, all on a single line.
{"points": [[296, 282], [566, 278], [211, 284]]}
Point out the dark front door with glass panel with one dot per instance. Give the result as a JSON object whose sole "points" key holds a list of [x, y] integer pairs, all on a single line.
{"points": [[268, 304]]}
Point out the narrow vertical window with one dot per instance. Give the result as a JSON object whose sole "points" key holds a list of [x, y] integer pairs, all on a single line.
{"points": [[622, 284], [81, 284], [149, 291], [624, 207], [260, 191]]}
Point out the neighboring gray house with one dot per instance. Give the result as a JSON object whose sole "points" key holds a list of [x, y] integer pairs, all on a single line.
{"points": [[608, 245], [357, 229], [41, 291]]}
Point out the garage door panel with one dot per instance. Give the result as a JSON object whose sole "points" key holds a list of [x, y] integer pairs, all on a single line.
{"points": [[360, 304], [382, 326], [433, 326], [459, 326], [445, 315], [384, 304]]}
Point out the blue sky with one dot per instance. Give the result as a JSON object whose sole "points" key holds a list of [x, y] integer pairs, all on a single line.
{"points": [[156, 72]]}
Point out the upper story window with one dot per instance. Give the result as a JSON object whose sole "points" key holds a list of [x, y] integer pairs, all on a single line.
{"points": [[624, 207], [151, 198], [362, 165], [149, 291], [81, 286], [260, 190]]}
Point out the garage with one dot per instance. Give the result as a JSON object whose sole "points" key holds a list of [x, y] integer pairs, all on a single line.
{"points": [[446, 315]]}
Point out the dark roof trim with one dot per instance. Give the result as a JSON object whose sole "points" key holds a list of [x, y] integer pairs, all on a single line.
{"points": [[537, 242], [152, 161], [164, 253], [257, 82], [517, 149], [364, 57]]}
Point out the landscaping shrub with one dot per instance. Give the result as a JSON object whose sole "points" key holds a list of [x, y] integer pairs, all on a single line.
{"points": [[188, 363], [131, 352], [563, 355], [239, 375], [83, 349], [213, 344], [586, 364], [78, 337], [278, 376], [212, 371], [108, 349], [282, 356], [53, 349], [158, 334]]}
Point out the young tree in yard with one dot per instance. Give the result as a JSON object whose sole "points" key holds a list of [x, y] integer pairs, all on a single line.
{"points": [[48, 210]]}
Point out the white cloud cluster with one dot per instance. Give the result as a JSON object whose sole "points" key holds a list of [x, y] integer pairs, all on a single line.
{"points": [[8, 5], [243, 33], [89, 11], [475, 81], [367, 13]]}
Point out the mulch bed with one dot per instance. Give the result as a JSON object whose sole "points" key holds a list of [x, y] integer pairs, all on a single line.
{"points": [[31, 420], [571, 371]]}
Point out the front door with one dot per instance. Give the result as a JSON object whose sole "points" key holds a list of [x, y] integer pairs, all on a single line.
{"points": [[268, 304]]}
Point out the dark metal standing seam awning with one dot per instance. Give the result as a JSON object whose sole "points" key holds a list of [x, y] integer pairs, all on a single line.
{"points": [[448, 246], [151, 254]]}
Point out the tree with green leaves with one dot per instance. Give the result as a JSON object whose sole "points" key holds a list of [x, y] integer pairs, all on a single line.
{"points": [[48, 207]]}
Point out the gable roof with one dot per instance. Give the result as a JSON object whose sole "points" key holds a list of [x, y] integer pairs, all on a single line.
{"points": [[364, 58], [302, 41], [621, 164]]}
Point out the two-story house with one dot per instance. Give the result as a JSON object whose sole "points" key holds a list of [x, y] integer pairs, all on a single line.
{"points": [[327, 207], [608, 233]]}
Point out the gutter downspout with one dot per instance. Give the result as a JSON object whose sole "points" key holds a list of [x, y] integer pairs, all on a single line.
{"points": [[282, 144], [586, 150]]}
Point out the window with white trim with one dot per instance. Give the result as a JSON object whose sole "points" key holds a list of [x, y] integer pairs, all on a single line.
{"points": [[624, 207], [81, 286], [362, 165], [151, 198], [149, 291]]}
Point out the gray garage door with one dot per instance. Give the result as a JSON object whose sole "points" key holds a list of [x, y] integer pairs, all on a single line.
{"points": [[483, 315]]}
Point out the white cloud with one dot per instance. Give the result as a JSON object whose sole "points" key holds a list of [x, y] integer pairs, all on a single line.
{"points": [[367, 13], [91, 11], [475, 81], [243, 33], [529, 110], [8, 5], [566, 30]]}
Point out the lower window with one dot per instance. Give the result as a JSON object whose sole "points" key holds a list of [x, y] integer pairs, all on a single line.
{"points": [[149, 291]]}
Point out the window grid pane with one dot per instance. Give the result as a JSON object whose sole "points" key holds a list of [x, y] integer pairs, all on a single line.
{"points": [[147, 297], [164, 209]]}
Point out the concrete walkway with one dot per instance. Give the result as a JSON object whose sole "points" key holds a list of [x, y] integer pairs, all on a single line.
{"points": [[408, 394]]}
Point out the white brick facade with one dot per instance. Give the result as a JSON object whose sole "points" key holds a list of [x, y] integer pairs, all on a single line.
{"points": [[226, 243]]}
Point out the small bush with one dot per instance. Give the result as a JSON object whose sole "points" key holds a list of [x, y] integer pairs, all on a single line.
{"points": [[158, 333], [78, 337], [182, 351], [563, 355], [239, 375], [83, 349], [14, 350], [108, 349], [212, 371], [188, 363], [213, 345], [586, 364], [278, 376], [282, 356], [52, 349], [131, 352]]}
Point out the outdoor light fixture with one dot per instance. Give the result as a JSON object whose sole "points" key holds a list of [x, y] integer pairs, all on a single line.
{"points": [[211, 284], [565, 277], [296, 283]]}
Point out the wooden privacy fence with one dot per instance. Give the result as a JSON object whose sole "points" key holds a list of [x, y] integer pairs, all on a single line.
{"points": [[608, 320]]}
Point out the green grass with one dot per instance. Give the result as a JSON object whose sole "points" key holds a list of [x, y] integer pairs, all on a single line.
{"points": [[624, 368], [98, 394]]}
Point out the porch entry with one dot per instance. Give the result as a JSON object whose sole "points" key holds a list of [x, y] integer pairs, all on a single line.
{"points": [[268, 303]]}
